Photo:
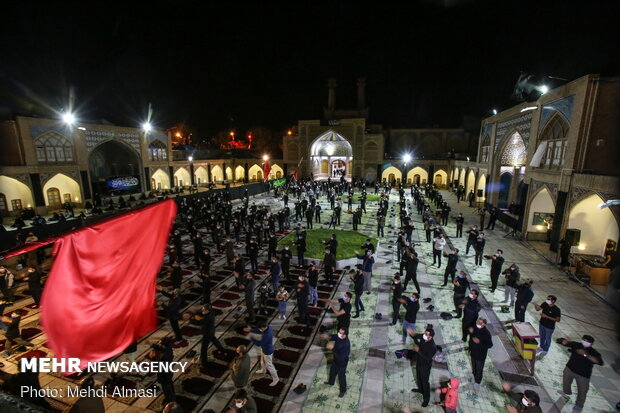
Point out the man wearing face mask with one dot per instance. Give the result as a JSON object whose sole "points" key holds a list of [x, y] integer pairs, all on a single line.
{"points": [[265, 342], [471, 309], [461, 285], [341, 349], [397, 292], [549, 316], [512, 280], [285, 258], [479, 344], [424, 349], [579, 368], [453, 259], [438, 244], [343, 314], [243, 403], [526, 402], [524, 296], [412, 306]]}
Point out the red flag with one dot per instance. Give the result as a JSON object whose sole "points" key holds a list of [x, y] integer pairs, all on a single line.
{"points": [[99, 297], [266, 170], [296, 174]]}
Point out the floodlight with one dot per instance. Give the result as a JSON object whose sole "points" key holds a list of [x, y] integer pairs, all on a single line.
{"points": [[146, 126], [406, 157], [68, 118], [544, 89], [265, 157]]}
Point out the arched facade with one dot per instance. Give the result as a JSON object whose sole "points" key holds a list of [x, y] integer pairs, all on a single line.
{"points": [[462, 177], [16, 194], [160, 180], [276, 172], [417, 175], [217, 174], [255, 173], [596, 225], [482, 182], [201, 176], [182, 177], [391, 174], [471, 182], [336, 150], [239, 173], [60, 189], [541, 203], [229, 173], [440, 178], [114, 159]]}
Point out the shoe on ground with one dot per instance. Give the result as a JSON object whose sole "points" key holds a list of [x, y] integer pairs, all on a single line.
{"points": [[274, 382], [355, 316], [367, 292], [577, 408], [342, 395], [424, 404], [328, 383], [416, 390]]}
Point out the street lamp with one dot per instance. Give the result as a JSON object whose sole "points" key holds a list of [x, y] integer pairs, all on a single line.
{"points": [[68, 118], [146, 127], [265, 157], [406, 160]]}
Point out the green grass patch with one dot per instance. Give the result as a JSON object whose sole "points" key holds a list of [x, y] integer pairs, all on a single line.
{"points": [[356, 197], [348, 242]]}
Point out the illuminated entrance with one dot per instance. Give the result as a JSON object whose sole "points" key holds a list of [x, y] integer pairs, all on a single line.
{"points": [[331, 155]]}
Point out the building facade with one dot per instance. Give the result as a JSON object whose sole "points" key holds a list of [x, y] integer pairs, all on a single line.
{"points": [[551, 163]]}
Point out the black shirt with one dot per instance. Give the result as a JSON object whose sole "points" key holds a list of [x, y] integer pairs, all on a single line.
{"points": [[398, 291], [313, 277], [424, 356], [461, 288], [344, 320], [359, 283], [551, 312], [412, 308], [12, 330], [496, 264], [479, 350], [579, 364], [453, 259]]}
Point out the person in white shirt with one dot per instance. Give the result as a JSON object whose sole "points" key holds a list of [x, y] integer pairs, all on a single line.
{"points": [[438, 244]]}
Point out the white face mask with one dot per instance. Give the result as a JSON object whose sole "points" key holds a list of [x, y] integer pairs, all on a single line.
{"points": [[586, 344], [549, 302], [525, 402], [341, 336], [239, 405], [479, 325], [471, 296], [425, 337]]}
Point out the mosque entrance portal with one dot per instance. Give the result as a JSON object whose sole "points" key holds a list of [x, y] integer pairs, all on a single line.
{"points": [[331, 155]]}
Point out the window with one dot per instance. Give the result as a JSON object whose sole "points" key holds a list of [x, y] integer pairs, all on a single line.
{"points": [[555, 135], [3, 207], [16, 204], [66, 198], [53, 148], [158, 151], [484, 149]]}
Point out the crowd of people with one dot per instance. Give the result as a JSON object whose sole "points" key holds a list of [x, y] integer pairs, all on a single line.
{"points": [[244, 232]]}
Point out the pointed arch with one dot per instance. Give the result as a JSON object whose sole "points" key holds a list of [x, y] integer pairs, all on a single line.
{"points": [[53, 147], [276, 171], [239, 173], [17, 191], [254, 173], [158, 150], [391, 174], [417, 175], [182, 177], [471, 181], [201, 175], [514, 151], [554, 136], [67, 187], [229, 173], [160, 179], [541, 203], [596, 225], [481, 185], [217, 173]]}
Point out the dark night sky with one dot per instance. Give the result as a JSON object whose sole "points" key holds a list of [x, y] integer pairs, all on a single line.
{"points": [[267, 64]]}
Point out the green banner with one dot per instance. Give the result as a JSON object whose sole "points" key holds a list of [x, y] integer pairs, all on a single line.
{"points": [[279, 182]]}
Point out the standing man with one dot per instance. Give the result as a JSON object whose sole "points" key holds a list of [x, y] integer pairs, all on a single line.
{"points": [[549, 316], [33, 277], [301, 249], [380, 225], [480, 342], [513, 276], [453, 259], [343, 314], [412, 306], [524, 296], [367, 261], [341, 349], [461, 284], [411, 271], [397, 292], [472, 236], [208, 335], [172, 311], [424, 349], [317, 213], [286, 256], [303, 289], [243, 403], [313, 283], [6, 283], [329, 263], [276, 270], [579, 368], [459, 225], [240, 367], [248, 287], [358, 283], [471, 309], [497, 261], [470, 197], [438, 244], [265, 342], [13, 335], [493, 217]]}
